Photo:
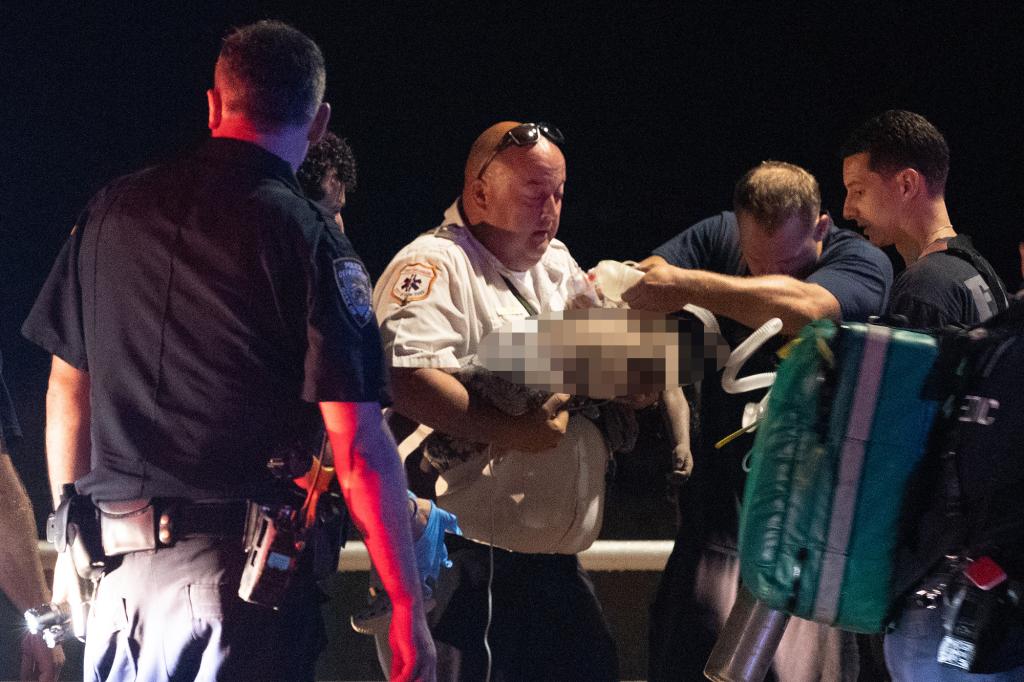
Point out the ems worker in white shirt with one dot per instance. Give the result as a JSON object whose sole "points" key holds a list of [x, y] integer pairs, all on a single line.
{"points": [[528, 489]]}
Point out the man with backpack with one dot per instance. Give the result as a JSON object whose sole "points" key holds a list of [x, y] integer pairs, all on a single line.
{"points": [[959, 565], [894, 168]]}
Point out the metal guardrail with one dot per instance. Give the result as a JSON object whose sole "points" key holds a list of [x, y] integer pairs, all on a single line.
{"points": [[603, 555]]}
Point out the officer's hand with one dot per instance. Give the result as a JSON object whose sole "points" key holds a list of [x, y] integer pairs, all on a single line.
{"points": [[38, 662], [541, 428], [412, 648], [664, 288]]}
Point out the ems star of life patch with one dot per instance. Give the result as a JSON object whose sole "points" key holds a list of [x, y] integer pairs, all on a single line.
{"points": [[354, 285], [414, 282]]}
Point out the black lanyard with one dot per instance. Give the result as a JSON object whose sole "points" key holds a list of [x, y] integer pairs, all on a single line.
{"points": [[519, 297]]}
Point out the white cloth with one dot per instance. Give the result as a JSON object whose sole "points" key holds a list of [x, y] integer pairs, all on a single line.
{"points": [[435, 302]]}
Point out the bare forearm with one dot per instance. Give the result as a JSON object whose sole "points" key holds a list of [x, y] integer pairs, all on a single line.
{"points": [[752, 301], [439, 400], [21, 572], [677, 411], [67, 426], [373, 482]]}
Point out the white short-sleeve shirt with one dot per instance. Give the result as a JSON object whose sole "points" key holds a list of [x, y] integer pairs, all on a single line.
{"points": [[437, 299], [444, 292]]}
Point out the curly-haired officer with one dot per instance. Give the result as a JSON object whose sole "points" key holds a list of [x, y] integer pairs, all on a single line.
{"points": [[328, 174]]}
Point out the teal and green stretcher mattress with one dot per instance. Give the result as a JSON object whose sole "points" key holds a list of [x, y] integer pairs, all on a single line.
{"points": [[844, 429]]}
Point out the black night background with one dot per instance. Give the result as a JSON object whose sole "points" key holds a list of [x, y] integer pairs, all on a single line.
{"points": [[663, 105]]}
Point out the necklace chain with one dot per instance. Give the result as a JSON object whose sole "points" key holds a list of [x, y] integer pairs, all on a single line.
{"points": [[926, 250]]}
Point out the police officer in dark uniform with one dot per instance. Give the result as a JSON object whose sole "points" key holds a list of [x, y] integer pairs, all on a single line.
{"points": [[198, 314], [895, 167]]}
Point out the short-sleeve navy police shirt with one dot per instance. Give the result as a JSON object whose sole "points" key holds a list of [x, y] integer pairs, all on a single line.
{"points": [[213, 306]]}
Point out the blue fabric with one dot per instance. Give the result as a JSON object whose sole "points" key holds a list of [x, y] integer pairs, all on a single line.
{"points": [[431, 553], [911, 648]]}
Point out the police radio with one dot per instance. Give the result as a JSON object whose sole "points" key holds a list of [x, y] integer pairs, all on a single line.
{"points": [[276, 535], [274, 539]]}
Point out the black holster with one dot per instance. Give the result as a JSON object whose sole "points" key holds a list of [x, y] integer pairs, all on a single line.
{"points": [[75, 527], [327, 537], [278, 545]]}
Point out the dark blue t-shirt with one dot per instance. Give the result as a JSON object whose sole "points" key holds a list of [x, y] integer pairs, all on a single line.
{"points": [[858, 274], [944, 289]]}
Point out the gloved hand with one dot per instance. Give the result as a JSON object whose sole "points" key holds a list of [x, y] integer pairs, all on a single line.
{"points": [[431, 554]]}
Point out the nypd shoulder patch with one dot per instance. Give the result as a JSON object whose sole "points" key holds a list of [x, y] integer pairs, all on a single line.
{"points": [[414, 282], [354, 285]]}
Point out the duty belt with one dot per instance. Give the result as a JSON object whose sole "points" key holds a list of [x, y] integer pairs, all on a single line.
{"points": [[139, 525]]}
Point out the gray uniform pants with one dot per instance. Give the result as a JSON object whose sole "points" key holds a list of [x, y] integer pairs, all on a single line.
{"points": [[697, 592], [174, 614]]}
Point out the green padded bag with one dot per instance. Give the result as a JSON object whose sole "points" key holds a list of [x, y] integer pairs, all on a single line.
{"points": [[843, 431]]}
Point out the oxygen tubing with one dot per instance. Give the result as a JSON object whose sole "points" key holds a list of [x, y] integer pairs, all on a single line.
{"points": [[730, 384]]}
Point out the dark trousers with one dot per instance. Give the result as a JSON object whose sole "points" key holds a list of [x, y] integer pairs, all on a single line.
{"points": [[697, 591], [546, 623], [174, 614]]}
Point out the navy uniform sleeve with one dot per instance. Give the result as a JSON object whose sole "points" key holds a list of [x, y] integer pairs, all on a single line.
{"points": [[712, 244], [344, 359], [55, 322], [857, 273]]}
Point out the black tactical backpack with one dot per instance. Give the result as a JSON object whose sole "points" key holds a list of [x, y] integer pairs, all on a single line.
{"points": [[967, 498]]}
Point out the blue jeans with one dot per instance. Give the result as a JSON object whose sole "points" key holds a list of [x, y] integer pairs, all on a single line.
{"points": [[911, 648]]}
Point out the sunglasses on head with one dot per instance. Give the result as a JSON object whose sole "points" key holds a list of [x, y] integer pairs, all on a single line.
{"points": [[523, 135]]}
